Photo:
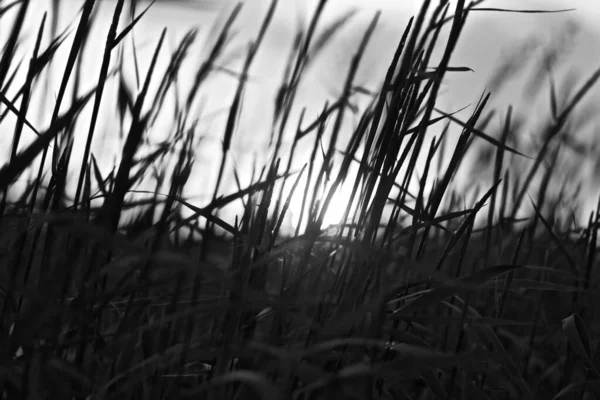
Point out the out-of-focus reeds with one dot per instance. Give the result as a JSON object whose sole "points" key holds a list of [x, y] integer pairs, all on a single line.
{"points": [[436, 292]]}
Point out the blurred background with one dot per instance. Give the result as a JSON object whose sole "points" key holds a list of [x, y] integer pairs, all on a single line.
{"points": [[508, 54]]}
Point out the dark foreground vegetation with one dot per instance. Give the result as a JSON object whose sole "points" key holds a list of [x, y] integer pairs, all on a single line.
{"points": [[433, 293]]}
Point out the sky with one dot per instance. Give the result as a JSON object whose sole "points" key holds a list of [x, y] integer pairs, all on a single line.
{"points": [[490, 38]]}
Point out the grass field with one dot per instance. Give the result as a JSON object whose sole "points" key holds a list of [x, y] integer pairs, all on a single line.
{"points": [[410, 284]]}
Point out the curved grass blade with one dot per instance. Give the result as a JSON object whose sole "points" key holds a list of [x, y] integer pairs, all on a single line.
{"points": [[10, 172]]}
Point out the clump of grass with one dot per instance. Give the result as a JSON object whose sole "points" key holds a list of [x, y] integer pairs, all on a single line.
{"points": [[434, 293]]}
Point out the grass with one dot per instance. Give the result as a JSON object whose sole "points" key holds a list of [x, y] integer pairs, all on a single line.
{"points": [[423, 290]]}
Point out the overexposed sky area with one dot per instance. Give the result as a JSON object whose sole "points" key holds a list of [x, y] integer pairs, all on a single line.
{"points": [[489, 41]]}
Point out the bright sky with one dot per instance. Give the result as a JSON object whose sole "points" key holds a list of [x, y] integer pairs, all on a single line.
{"points": [[484, 45]]}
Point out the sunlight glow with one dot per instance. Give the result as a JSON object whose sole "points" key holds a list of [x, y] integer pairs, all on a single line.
{"points": [[335, 211]]}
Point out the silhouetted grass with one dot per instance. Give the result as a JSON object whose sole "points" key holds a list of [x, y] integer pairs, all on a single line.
{"points": [[441, 293]]}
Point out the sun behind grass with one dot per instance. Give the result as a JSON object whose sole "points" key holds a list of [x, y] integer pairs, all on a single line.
{"points": [[425, 291]]}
